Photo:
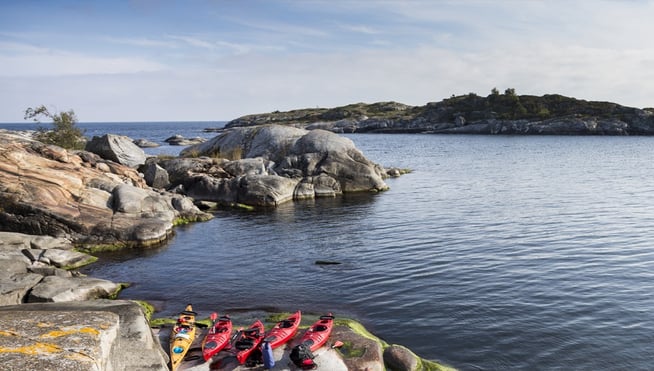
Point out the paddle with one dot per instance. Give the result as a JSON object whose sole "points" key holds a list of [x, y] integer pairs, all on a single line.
{"points": [[337, 344], [231, 340], [213, 318]]}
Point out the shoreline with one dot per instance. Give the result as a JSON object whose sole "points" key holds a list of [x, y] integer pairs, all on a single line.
{"points": [[91, 300]]}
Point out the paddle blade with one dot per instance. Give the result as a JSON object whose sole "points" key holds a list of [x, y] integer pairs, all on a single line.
{"points": [[337, 344], [213, 316]]}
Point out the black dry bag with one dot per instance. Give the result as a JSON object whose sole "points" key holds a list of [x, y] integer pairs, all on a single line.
{"points": [[302, 356]]}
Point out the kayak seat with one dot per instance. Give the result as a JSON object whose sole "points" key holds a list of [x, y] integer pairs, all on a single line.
{"points": [[320, 328], [244, 344], [286, 324]]}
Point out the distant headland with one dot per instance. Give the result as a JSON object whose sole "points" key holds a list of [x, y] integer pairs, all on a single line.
{"points": [[498, 113]]}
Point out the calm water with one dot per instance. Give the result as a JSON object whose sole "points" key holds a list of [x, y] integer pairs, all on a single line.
{"points": [[495, 253]]}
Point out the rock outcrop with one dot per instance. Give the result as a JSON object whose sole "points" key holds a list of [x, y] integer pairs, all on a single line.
{"points": [[93, 335], [507, 113], [40, 269], [271, 164], [47, 190], [144, 143], [179, 140]]}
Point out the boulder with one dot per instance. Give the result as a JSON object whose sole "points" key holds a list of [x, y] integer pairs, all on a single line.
{"points": [[155, 176], [58, 289], [266, 190], [272, 164], [179, 140], [179, 169], [13, 260], [208, 188], [359, 352], [14, 287], [14, 240], [47, 270], [117, 148], [144, 143], [398, 357], [67, 259]]}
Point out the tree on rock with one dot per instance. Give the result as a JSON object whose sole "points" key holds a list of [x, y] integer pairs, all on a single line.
{"points": [[64, 132]]}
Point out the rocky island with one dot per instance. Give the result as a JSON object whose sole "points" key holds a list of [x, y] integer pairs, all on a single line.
{"points": [[58, 206], [506, 113]]}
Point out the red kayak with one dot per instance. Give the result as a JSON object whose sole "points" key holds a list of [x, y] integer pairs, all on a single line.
{"points": [[248, 340], [317, 335], [284, 330], [217, 337]]}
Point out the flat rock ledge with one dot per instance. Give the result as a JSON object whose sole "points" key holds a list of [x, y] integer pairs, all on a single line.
{"points": [[41, 269], [88, 335]]}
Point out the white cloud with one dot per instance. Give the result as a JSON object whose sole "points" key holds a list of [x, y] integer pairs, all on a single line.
{"points": [[25, 59], [194, 41], [142, 42], [360, 28], [48, 62], [245, 84]]}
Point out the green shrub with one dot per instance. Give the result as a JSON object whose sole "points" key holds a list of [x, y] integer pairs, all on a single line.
{"points": [[64, 133]]}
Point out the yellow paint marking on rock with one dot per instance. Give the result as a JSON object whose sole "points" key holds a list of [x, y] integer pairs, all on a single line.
{"points": [[37, 348], [60, 333], [44, 324], [8, 333]]}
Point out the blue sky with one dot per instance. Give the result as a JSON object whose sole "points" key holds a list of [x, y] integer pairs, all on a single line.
{"points": [[150, 60]]}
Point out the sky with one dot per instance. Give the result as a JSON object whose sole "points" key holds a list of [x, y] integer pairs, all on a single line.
{"points": [[216, 60]]}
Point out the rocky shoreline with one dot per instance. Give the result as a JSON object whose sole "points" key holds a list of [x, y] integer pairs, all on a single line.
{"points": [[496, 114], [54, 318], [58, 206]]}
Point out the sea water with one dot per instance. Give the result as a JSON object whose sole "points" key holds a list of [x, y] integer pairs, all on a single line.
{"points": [[495, 252]]}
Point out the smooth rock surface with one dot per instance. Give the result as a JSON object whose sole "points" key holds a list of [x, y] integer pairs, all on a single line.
{"points": [[32, 340], [15, 286], [22, 269], [398, 357], [271, 164], [88, 335], [58, 289], [81, 197], [117, 148]]}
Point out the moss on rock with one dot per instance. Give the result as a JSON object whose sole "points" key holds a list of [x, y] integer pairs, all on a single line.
{"points": [[148, 309]]}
